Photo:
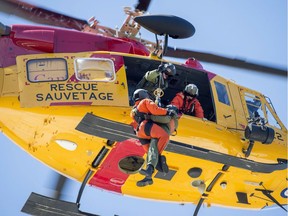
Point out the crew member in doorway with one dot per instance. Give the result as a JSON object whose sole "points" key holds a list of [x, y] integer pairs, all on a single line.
{"points": [[156, 81], [187, 103], [152, 137]]}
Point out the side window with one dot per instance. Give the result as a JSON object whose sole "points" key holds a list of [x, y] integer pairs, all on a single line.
{"points": [[47, 70], [222, 93], [94, 69]]}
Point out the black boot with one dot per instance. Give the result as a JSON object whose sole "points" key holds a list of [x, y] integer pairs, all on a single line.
{"points": [[148, 172], [159, 166], [144, 182], [163, 163]]}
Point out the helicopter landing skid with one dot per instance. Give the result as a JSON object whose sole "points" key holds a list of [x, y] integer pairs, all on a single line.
{"points": [[46, 206]]}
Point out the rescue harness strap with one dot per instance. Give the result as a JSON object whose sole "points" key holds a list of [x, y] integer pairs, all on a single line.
{"points": [[191, 109], [140, 116]]}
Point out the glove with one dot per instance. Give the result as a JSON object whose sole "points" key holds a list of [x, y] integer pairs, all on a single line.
{"points": [[161, 68]]}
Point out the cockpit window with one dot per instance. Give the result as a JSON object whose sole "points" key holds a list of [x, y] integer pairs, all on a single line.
{"points": [[271, 120], [262, 109], [222, 93], [253, 105]]}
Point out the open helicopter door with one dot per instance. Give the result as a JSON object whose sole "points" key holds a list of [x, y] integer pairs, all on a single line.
{"points": [[225, 113], [71, 79]]}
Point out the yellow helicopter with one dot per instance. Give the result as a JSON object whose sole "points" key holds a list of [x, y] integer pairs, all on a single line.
{"points": [[230, 155]]}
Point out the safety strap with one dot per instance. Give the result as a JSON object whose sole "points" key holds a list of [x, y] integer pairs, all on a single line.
{"points": [[191, 109], [139, 116]]}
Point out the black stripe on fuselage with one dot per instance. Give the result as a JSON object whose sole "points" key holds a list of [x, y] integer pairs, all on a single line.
{"points": [[104, 128], [205, 154]]}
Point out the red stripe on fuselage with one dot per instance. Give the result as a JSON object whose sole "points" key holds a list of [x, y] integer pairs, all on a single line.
{"points": [[109, 176]]}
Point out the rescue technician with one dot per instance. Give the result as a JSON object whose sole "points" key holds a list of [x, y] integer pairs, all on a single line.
{"points": [[152, 136], [187, 102]]}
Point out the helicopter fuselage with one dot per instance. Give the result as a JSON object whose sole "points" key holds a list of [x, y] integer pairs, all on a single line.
{"points": [[66, 100]]}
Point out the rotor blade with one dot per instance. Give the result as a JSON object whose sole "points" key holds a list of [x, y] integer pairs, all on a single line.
{"points": [[216, 59], [40, 15], [142, 5]]}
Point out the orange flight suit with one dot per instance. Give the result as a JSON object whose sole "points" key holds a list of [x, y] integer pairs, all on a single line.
{"points": [[188, 105], [147, 106]]}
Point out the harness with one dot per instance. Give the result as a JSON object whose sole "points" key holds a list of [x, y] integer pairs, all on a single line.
{"points": [[139, 117], [186, 102]]}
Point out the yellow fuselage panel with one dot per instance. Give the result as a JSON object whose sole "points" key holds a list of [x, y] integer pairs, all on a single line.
{"points": [[37, 131]]}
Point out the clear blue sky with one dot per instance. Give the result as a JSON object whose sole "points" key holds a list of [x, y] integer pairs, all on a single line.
{"points": [[251, 29]]}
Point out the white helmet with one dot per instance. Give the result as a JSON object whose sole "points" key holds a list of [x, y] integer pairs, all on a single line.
{"points": [[192, 90]]}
